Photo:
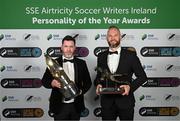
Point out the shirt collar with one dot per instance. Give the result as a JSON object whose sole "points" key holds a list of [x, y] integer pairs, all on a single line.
{"points": [[67, 58], [118, 49]]}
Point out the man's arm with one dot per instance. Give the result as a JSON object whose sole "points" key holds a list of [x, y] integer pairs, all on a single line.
{"points": [[87, 79], [47, 79], [98, 75], [139, 73]]}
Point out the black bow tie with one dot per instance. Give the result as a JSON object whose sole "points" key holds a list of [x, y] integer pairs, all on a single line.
{"points": [[115, 52], [66, 60]]}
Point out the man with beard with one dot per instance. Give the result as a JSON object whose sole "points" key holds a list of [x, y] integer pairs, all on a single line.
{"points": [[118, 60]]}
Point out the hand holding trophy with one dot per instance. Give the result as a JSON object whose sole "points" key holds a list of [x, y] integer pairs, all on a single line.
{"points": [[68, 88], [117, 79]]}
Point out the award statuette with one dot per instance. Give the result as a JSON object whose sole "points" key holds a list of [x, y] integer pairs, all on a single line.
{"points": [[69, 89], [118, 79]]}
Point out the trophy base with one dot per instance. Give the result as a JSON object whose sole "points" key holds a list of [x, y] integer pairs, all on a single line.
{"points": [[111, 90]]}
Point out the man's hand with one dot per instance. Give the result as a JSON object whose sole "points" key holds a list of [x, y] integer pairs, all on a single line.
{"points": [[56, 83], [126, 89], [97, 88]]}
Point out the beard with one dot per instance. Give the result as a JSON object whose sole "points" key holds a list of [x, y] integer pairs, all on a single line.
{"points": [[113, 43], [68, 55]]}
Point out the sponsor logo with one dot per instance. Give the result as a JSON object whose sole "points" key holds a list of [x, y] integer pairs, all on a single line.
{"points": [[79, 52], [54, 37], [21, 83], [173, 36], [8, 37], [123, 36], [79, 36], [162, 82], [100, 37], [8, 68], [28, 37], [23, 112], [98, 50], [160, 51], [49, 37], [1, 37], [23, 52], [97, 111], [144, 36], [146, 97], [149, 37], [85, 113], [149, 68], [141, 97], [2, 68], [171, 67], [97, 37], [51, 114], [31, 98], [159, 111], [127, 37], [30, 68], [4, 98], [10, 99], [171, 97]]}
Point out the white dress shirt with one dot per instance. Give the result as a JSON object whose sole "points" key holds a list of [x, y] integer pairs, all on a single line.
{"points": [[113, 60], [69, 70]]}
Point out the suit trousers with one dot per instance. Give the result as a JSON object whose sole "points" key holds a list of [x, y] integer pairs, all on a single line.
{"points": [[67, 112], [114, 111]]}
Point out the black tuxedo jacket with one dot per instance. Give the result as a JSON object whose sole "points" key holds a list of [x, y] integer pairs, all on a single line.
{"points": [[82, 80], [128, 64]]}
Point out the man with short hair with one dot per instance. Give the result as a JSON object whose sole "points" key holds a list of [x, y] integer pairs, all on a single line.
{"points": [[76, 69]]}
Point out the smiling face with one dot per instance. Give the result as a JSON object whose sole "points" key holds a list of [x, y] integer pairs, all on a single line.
{"points": [[113, 37], [68, 47]]}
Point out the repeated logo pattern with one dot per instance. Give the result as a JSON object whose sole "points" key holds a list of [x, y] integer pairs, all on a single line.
{"points": [[22, 67]]}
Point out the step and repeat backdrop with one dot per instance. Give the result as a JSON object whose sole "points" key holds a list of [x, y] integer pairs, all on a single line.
{"points": [[30, 28]]}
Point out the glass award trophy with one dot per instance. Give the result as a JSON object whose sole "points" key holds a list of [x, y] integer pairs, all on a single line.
{"points": [[69, 89]]}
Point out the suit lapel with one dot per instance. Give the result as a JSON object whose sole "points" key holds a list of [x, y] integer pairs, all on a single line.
{"points": [[122, 56], [75, 71], [60, 61], [106, 62]]}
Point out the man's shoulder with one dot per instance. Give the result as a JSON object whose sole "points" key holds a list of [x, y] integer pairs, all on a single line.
{"points": [[79, 60], [58, 59], [129, 50], [104, 53]]}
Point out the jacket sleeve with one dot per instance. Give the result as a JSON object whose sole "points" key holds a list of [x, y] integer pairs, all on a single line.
{"points": [[139, 73], [87, 79], [98, 75], [47, 79]]}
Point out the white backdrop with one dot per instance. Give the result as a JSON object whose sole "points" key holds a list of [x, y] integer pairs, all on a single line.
{"points": [[30, 97]]}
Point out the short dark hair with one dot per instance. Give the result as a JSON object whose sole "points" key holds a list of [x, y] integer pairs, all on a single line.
{"points": [[68, 38], [113, 27]]}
